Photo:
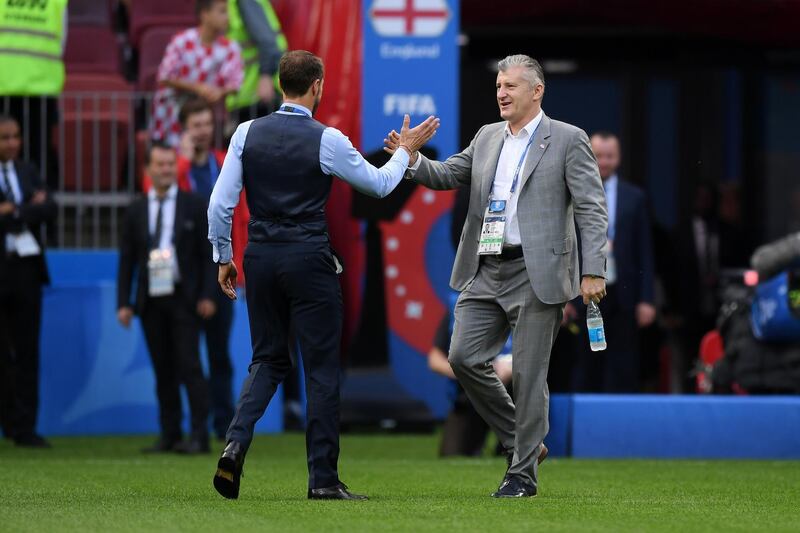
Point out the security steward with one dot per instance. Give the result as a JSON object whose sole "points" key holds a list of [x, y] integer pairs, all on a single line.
{"points": [[255, 26], [285, 162]]}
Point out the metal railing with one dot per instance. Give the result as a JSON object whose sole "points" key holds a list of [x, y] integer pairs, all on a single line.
{"points": [[90, 149]]}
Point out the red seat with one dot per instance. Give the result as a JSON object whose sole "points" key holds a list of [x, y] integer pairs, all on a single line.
{"points": [[89, 13], [151, 52], [146, 14], [97, 112], [92, 49]]}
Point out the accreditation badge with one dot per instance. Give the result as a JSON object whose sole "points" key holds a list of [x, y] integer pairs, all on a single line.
{"points": [[494, 229], [161, 272], [25, 244]]}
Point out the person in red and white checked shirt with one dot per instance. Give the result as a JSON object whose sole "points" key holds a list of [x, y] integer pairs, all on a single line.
{"points": [[200, 62]]}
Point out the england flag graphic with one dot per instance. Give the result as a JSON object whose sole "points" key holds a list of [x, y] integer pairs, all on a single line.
{"points": [[409, 18]]}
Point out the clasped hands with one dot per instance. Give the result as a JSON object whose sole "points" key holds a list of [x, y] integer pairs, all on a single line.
{"points": [[411, 139]]}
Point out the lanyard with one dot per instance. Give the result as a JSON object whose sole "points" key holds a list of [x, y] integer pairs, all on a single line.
{"points": [[293, 110], [519, 165], [213, 171]]}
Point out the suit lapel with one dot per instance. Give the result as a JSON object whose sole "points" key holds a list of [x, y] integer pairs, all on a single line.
{"points": [[179, 214], [23, 183], [495, 146], [144, 214], [539, 146]]}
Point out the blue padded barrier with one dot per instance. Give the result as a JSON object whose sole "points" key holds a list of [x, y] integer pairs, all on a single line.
{"points": [[616, 426], [558, 439], [95, 375]]}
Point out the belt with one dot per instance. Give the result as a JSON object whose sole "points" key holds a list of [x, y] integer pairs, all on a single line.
{"points": [[510, 253]]}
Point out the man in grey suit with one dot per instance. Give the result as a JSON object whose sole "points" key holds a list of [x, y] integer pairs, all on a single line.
{"points": [[531, 179]]}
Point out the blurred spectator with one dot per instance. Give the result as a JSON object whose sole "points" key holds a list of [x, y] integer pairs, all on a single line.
{"points": [[194, 149], [735, 237], [793, 223], [199, 62], [464, 430], [32, 71], [25, 207], [164, 240], [198, 169], [692, 287], [255, 26], [628, 305]]}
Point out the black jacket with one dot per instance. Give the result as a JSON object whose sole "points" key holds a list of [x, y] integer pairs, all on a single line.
{"points": [[633, 248], [28, 216], [190, 238]]}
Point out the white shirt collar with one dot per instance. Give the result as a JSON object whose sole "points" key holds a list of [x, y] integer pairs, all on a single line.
{"points": [[611, 181], [299, 107], [172, 192], [529, 128]]}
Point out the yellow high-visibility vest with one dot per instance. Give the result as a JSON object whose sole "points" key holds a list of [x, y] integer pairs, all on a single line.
{"points": [[248, 92], [31, 50]]}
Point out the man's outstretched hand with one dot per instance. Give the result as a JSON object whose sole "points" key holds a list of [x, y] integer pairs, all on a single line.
{"points": [[412, 139]]}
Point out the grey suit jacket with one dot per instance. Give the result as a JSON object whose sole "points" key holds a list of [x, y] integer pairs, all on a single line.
{"points": [[559, 186]]}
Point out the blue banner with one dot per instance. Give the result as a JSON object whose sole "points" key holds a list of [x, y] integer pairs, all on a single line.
{"points": [[410, 67]]}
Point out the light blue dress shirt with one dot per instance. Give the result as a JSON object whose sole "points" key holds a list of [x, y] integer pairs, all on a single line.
{"points": [[610, 186], [337, 157]]}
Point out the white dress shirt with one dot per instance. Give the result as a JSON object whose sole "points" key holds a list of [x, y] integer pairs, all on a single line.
{"points": [[513, 147], [610, 186], [11, 180], [337, 157]]}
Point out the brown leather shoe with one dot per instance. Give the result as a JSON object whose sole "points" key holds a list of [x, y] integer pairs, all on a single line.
{"points": [[542, 456]]}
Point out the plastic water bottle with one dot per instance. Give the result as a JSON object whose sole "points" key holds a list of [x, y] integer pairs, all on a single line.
{"points": [[594, 324]]}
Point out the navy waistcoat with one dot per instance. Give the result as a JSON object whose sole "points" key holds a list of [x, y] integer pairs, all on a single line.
{"points": [[286, 188]]}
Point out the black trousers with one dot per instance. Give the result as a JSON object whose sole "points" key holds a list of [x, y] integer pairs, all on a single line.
{"points": [[220, 370], [172, 331], [615, 369], [20, 323], [294, 283]]}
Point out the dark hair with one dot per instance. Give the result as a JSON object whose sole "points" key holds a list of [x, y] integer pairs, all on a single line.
{"points": [[605, 135], [204, 5], [156, 145], [299, 69], [193, 107], [5, 119]]}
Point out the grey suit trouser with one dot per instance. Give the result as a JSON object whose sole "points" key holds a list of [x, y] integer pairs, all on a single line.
{"points": [[499, 299]]}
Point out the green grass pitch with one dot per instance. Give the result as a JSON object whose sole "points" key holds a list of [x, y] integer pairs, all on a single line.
{"points": [[105, 484]]}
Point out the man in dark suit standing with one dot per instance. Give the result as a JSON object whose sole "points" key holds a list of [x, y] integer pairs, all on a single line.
{"points": [[25, 207], [629, 276], [164, 240]]}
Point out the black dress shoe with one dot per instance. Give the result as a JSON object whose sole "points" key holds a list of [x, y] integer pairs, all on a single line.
{"points": [[229, 470], [515, 487], [162, 445], [31, 440], [193, 447], [337, 492]]}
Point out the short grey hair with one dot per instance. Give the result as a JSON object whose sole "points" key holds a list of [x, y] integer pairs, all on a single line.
{"points": [[533, 70]]}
